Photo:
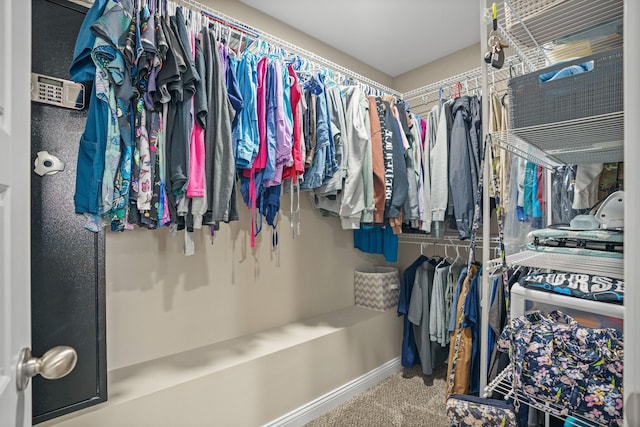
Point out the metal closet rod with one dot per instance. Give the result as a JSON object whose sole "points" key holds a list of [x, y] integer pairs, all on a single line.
{"points": [[428, 243], [288, 47], [450, 238]]}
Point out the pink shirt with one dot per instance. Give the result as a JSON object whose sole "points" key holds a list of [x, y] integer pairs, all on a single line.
{"points": [[195, 186]]}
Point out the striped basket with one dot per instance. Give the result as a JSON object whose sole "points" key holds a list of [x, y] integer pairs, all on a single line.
{"points": [[377, 288]]}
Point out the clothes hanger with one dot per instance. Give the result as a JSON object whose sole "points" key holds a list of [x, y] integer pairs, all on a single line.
{"points": [[457, 89], [444, 260], [458, 257]]}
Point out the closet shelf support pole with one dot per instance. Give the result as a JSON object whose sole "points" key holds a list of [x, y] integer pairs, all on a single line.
{"points": [[631, 208], [485, 297]]}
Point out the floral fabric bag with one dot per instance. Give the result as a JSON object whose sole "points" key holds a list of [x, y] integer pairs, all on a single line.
{"points": [[472, 411], [573, 368]]}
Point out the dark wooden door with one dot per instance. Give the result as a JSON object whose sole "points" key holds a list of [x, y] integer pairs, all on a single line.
{"points": [[67, 261]]}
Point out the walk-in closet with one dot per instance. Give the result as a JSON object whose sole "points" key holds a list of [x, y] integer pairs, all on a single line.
{"points": [[234, 213]]}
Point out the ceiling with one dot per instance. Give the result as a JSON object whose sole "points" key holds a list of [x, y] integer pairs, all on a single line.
{"points": [[391, 36]]}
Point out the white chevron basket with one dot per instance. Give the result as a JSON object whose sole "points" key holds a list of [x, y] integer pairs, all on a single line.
{"points": [[377, 288]]}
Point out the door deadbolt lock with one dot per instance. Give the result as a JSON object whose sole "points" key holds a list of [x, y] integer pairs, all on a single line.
{"points": [[47, 164]]}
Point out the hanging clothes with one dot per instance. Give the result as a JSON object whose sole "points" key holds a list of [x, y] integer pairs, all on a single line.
{"points": [[438, 321], [357, 148], [396, 184], [220, 158], [465, 353], [377, 162], [498, 122], [409, 354], [178, 118], [323, 165], [297, 167], [367, 162], [417, 153], [431, 354], [439, 166], [464, 161], [430, 139], [248, 142], [329, 195], [411, 211], [377, 240], [337, 125], [472, 321]]}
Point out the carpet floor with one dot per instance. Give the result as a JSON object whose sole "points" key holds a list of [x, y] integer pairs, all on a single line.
{"points": [[406, 399]]}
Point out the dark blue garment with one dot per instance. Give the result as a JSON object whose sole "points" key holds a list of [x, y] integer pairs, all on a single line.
{"points": [[245, 186], [400, 182], [270, 203], [410, 354], [377, 240], [492, 335], [453, 322], [235, 98], [472, 320], [463, 172]]}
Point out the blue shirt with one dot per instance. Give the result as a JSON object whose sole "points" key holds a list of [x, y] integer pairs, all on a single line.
{"points": [[248, 141], [377, 240], [472, 320]]}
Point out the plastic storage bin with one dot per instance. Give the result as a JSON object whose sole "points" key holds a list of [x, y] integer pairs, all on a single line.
{"points": [[593, 314], [587, 94]]}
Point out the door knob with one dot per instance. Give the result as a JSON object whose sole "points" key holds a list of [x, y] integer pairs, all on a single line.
{"points": [[54, 364]]}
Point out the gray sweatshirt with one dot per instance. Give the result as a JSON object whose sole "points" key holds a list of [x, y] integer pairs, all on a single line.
{"points": [[219, 155]]}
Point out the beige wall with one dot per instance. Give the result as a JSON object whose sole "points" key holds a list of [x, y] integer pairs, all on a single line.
{"points": [[160, 302], [277, 28], [457, 62]]}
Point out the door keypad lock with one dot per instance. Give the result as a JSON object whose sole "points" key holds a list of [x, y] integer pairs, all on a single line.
{"points": [[55, 91]]}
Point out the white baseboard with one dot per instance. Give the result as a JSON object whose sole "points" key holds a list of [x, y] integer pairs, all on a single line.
{"points": [[312, 410]]}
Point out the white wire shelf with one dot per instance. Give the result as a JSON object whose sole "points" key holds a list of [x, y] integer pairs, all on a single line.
{"points": [[512, 142], [596, 139], [503, 384], [564, 28], [610, 267]]}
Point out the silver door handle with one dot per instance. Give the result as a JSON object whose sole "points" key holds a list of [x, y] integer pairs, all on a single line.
{"points": [[54, 364]]}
